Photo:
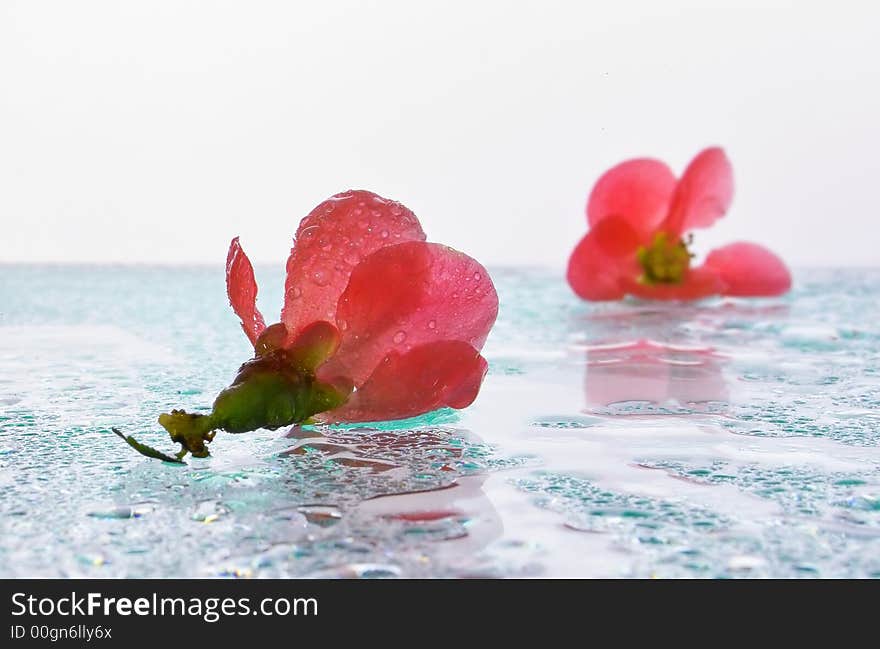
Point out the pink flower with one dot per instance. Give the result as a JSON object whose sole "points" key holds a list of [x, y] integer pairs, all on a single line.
{"points": [[640, 218], [377, 309]]}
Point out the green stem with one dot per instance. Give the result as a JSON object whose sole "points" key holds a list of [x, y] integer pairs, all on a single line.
{"points": [[149, 451]]}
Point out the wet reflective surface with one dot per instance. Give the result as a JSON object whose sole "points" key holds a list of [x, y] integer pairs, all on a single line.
{"points": [[730, 438]]}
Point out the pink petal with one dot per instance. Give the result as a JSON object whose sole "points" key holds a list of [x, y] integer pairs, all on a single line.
{"points": [[638, 191], [427, 377], [700, 282], [330, 242], [704, 193], [242, 291], [748, 269], [602, 257], [404, 296]]}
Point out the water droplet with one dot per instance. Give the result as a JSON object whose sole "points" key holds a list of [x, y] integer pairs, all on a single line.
{"points": [[321, 278], [210, 511], [375, 571], [432, 324], [384, 234], [399, 337], [321, 515], [122, 511], [294, 292], [96, 560], [357, 211], [477, 277], [343, 325]]}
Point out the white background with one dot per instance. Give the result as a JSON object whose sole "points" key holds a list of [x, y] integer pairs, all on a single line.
{"points": [[156, 131]]}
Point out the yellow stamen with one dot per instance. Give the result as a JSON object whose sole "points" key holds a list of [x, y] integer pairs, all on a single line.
{"points": [[664, 261]]}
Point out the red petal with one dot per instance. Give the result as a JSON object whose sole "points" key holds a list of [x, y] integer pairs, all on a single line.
{"points": [[638, 191], [330, 242], [407, 295], [242, 290], [427, 377], [704, 193], [748, 269], [601, 258], [699, 282]]}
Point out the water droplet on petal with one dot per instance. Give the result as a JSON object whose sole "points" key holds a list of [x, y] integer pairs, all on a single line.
{"points": [[294, 292], [343, 325], [477, 277], [432, 324], [399, 337], [321, 278], [384, 234]]}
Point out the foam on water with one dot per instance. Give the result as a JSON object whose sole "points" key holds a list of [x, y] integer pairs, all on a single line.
{"points": [[729, 438]]}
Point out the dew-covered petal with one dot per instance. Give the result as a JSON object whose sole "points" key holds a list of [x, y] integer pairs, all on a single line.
{"points": [[601, 258], [703, 194], [638, 191], [241, 287], [330, 242], [748, 269], [424, 378], [407, 295]]}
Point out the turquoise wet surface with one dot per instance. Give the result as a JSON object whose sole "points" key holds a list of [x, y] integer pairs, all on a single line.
{"points": [[743, 440]]}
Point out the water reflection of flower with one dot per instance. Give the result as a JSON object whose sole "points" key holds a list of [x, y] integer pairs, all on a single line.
{"points": [[398, 489], [648, 377]]}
